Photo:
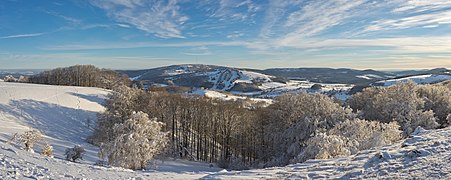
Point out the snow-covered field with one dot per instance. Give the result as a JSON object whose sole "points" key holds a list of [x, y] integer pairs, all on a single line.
{"points": [[62, 113], [420, 79], [66, 116]]}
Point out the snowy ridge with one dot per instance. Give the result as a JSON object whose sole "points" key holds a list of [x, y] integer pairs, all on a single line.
{"points": [[420, 79], [424, 155]]}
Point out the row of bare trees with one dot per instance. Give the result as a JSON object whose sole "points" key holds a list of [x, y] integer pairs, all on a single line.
{"points": [[80, 75], [199, 128]]}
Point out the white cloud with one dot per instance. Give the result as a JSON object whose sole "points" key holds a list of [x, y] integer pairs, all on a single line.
{"points": [[431, 44], [319, 16], [237, 10], [420, 5], [424, 20], [21, 35], [161, 18], [123, 25], [275, 12]]}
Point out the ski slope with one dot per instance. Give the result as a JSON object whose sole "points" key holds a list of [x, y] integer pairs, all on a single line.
{"points": [[66, 116]]}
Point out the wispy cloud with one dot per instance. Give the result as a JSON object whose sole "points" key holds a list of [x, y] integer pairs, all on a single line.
{"points": [[317, 17], [420, 5], [21, 35], [276, 11], [122, 45], [198, 51], [240, 10], [423, 20], [409, 14], [161, 18]]}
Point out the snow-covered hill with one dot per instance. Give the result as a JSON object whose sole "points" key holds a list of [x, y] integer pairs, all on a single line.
{"points": [[66, 116], [424, 155], [419, 79]]}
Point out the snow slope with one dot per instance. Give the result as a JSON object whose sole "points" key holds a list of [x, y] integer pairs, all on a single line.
{"points": [[420, 79], [225, 79], [66, 116], [425, 155]]}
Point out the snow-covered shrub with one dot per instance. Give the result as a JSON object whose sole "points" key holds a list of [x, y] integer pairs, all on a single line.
{"points": [[29, 138], [348, 138], [75, 153], [23, 79], [294, 118], [438, 99], [9, 78], [47, 150], [138, 140], [399, 103]]}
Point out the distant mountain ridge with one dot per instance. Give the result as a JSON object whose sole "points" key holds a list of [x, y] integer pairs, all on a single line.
{"points": [[323, 75], [270, 82]]}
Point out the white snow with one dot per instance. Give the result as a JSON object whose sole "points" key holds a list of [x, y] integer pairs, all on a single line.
{"points": [[228, 97], [225, 79], [425, 155], [369, 76], [178, 70], [62, 114], [420, 79]]}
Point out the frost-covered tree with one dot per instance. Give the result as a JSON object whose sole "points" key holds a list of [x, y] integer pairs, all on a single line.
{"points": [[348, 138], [29, 138], [119, 107], [438, 99], [137, 141], [399, 103], [75, 153], [294, 118]]}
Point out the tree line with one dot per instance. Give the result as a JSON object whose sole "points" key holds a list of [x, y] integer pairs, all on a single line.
{"points": [[80, 75]]}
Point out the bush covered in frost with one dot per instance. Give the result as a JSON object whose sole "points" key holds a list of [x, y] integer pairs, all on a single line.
{"points": [[348, 138], [138, 140], [75, 153]]}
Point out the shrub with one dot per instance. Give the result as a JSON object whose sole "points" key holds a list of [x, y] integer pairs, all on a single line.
{"points": [[399, 103], [294, 118], [47, 150], [348, 138], [75, 153], [29, 138], [438, 99]]}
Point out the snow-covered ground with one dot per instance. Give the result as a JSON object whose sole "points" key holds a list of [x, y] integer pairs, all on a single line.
{"points": [[420, 79], [425, 155], [370, 76], [66, 116], [62, 113]]}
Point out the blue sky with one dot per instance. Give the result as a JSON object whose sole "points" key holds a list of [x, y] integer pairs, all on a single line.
{"points": [[137, 34]]}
